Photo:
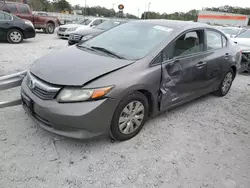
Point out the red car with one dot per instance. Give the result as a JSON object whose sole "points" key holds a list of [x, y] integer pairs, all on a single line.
{"points": [[47, 23]]}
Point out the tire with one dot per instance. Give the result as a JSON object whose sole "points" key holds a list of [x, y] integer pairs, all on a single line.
{"points": [[50, 28], [228, 80], [125, 126], [15, 36]]}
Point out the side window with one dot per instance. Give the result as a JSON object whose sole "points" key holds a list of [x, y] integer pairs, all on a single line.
{"points": [[97, 22], [214, 40], [7, 17], [1, 16], [23, 9], [224, 41], [11, 7], [190, 43]]}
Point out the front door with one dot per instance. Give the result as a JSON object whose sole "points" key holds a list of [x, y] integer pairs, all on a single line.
{"points": [[183, 69], [24, 12]]}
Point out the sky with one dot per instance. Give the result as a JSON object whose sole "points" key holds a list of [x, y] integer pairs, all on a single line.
{"points": [[168, 6]]}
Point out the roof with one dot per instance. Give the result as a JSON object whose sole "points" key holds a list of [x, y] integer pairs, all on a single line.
{"points": [[174, 23]]}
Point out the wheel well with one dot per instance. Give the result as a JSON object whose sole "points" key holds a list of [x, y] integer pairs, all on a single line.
{"points": [[150, 100], [51, 22], [234, 70], [19, 29]]}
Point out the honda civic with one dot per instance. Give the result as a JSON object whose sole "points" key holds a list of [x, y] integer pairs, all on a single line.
{"points": [[112, 83]]}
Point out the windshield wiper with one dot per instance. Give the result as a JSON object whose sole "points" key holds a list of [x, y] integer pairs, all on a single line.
{"points": [[84, 47], [107, 51]]}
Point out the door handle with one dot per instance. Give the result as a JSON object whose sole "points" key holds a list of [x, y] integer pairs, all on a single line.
{"points": [[201, 64]]}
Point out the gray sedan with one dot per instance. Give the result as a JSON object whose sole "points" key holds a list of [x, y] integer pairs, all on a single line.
{"points": [[112, 83]]}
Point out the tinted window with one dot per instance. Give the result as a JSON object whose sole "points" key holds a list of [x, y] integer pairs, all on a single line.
{"points": [[245, 34], [137, 42], [97, 22], [189, 43], [214, 40], [11, 8], [23, 9]]}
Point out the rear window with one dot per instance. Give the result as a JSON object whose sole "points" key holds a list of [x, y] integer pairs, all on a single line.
{"points": [[23, 9]]}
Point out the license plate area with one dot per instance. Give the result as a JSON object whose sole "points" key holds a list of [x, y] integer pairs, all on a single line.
{"points": [[28, 103]]}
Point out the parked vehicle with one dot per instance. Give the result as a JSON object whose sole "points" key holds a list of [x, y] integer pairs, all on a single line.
{"points": [[15, 29], [243, 40], [113, 82], [40, 13], [85, 34], [65, 30], [46, 23], [232, 31]]}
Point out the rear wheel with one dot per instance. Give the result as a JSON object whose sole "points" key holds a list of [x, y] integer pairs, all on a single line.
{"points": [[226, 83], [129, 117], [15, 36], [50, 28]]}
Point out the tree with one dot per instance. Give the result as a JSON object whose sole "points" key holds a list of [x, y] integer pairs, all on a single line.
{"points": [[61, 5]]}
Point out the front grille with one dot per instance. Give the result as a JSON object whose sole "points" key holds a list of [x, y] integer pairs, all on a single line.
{"points": [[75, 37], [62, 29], [41, 89]]}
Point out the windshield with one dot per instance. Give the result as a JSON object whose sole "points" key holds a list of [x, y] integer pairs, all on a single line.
{"points": [[231, 31], [108, 25], [245, 34], [83, 21], [132, 40]]}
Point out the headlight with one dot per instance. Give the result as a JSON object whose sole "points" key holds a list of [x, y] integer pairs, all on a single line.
{"points": [[27, 22], [72, 29], [80, 94], [87, 37]]}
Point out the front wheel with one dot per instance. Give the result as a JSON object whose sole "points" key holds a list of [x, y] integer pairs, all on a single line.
{"points": [[226, 83], [129, 117], [15, 36], [50, 28]]}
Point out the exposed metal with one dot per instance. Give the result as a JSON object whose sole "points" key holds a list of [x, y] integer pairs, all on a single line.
{"points": [[8, 82], [245, 63]]}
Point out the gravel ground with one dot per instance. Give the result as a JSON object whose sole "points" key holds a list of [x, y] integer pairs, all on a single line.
{"points": [[205, 143]]}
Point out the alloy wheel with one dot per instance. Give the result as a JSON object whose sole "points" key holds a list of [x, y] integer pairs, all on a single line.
{"points": [[227, 82], [131, 117], [15, 37]]}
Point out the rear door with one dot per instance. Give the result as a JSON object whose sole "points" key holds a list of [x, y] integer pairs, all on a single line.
{"points": [[24, 12], [183, 69], [218, 54], [5, 23]]}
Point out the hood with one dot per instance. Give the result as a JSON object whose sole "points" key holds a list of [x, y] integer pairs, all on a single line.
{"points": [[75, 67], [84, 31], [72, 25]]}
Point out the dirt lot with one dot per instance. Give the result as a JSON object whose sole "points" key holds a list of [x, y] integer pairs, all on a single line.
{"points": [[205, 143]]}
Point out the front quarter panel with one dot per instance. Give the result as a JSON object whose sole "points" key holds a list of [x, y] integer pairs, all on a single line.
{"points": [[132, 78]]}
